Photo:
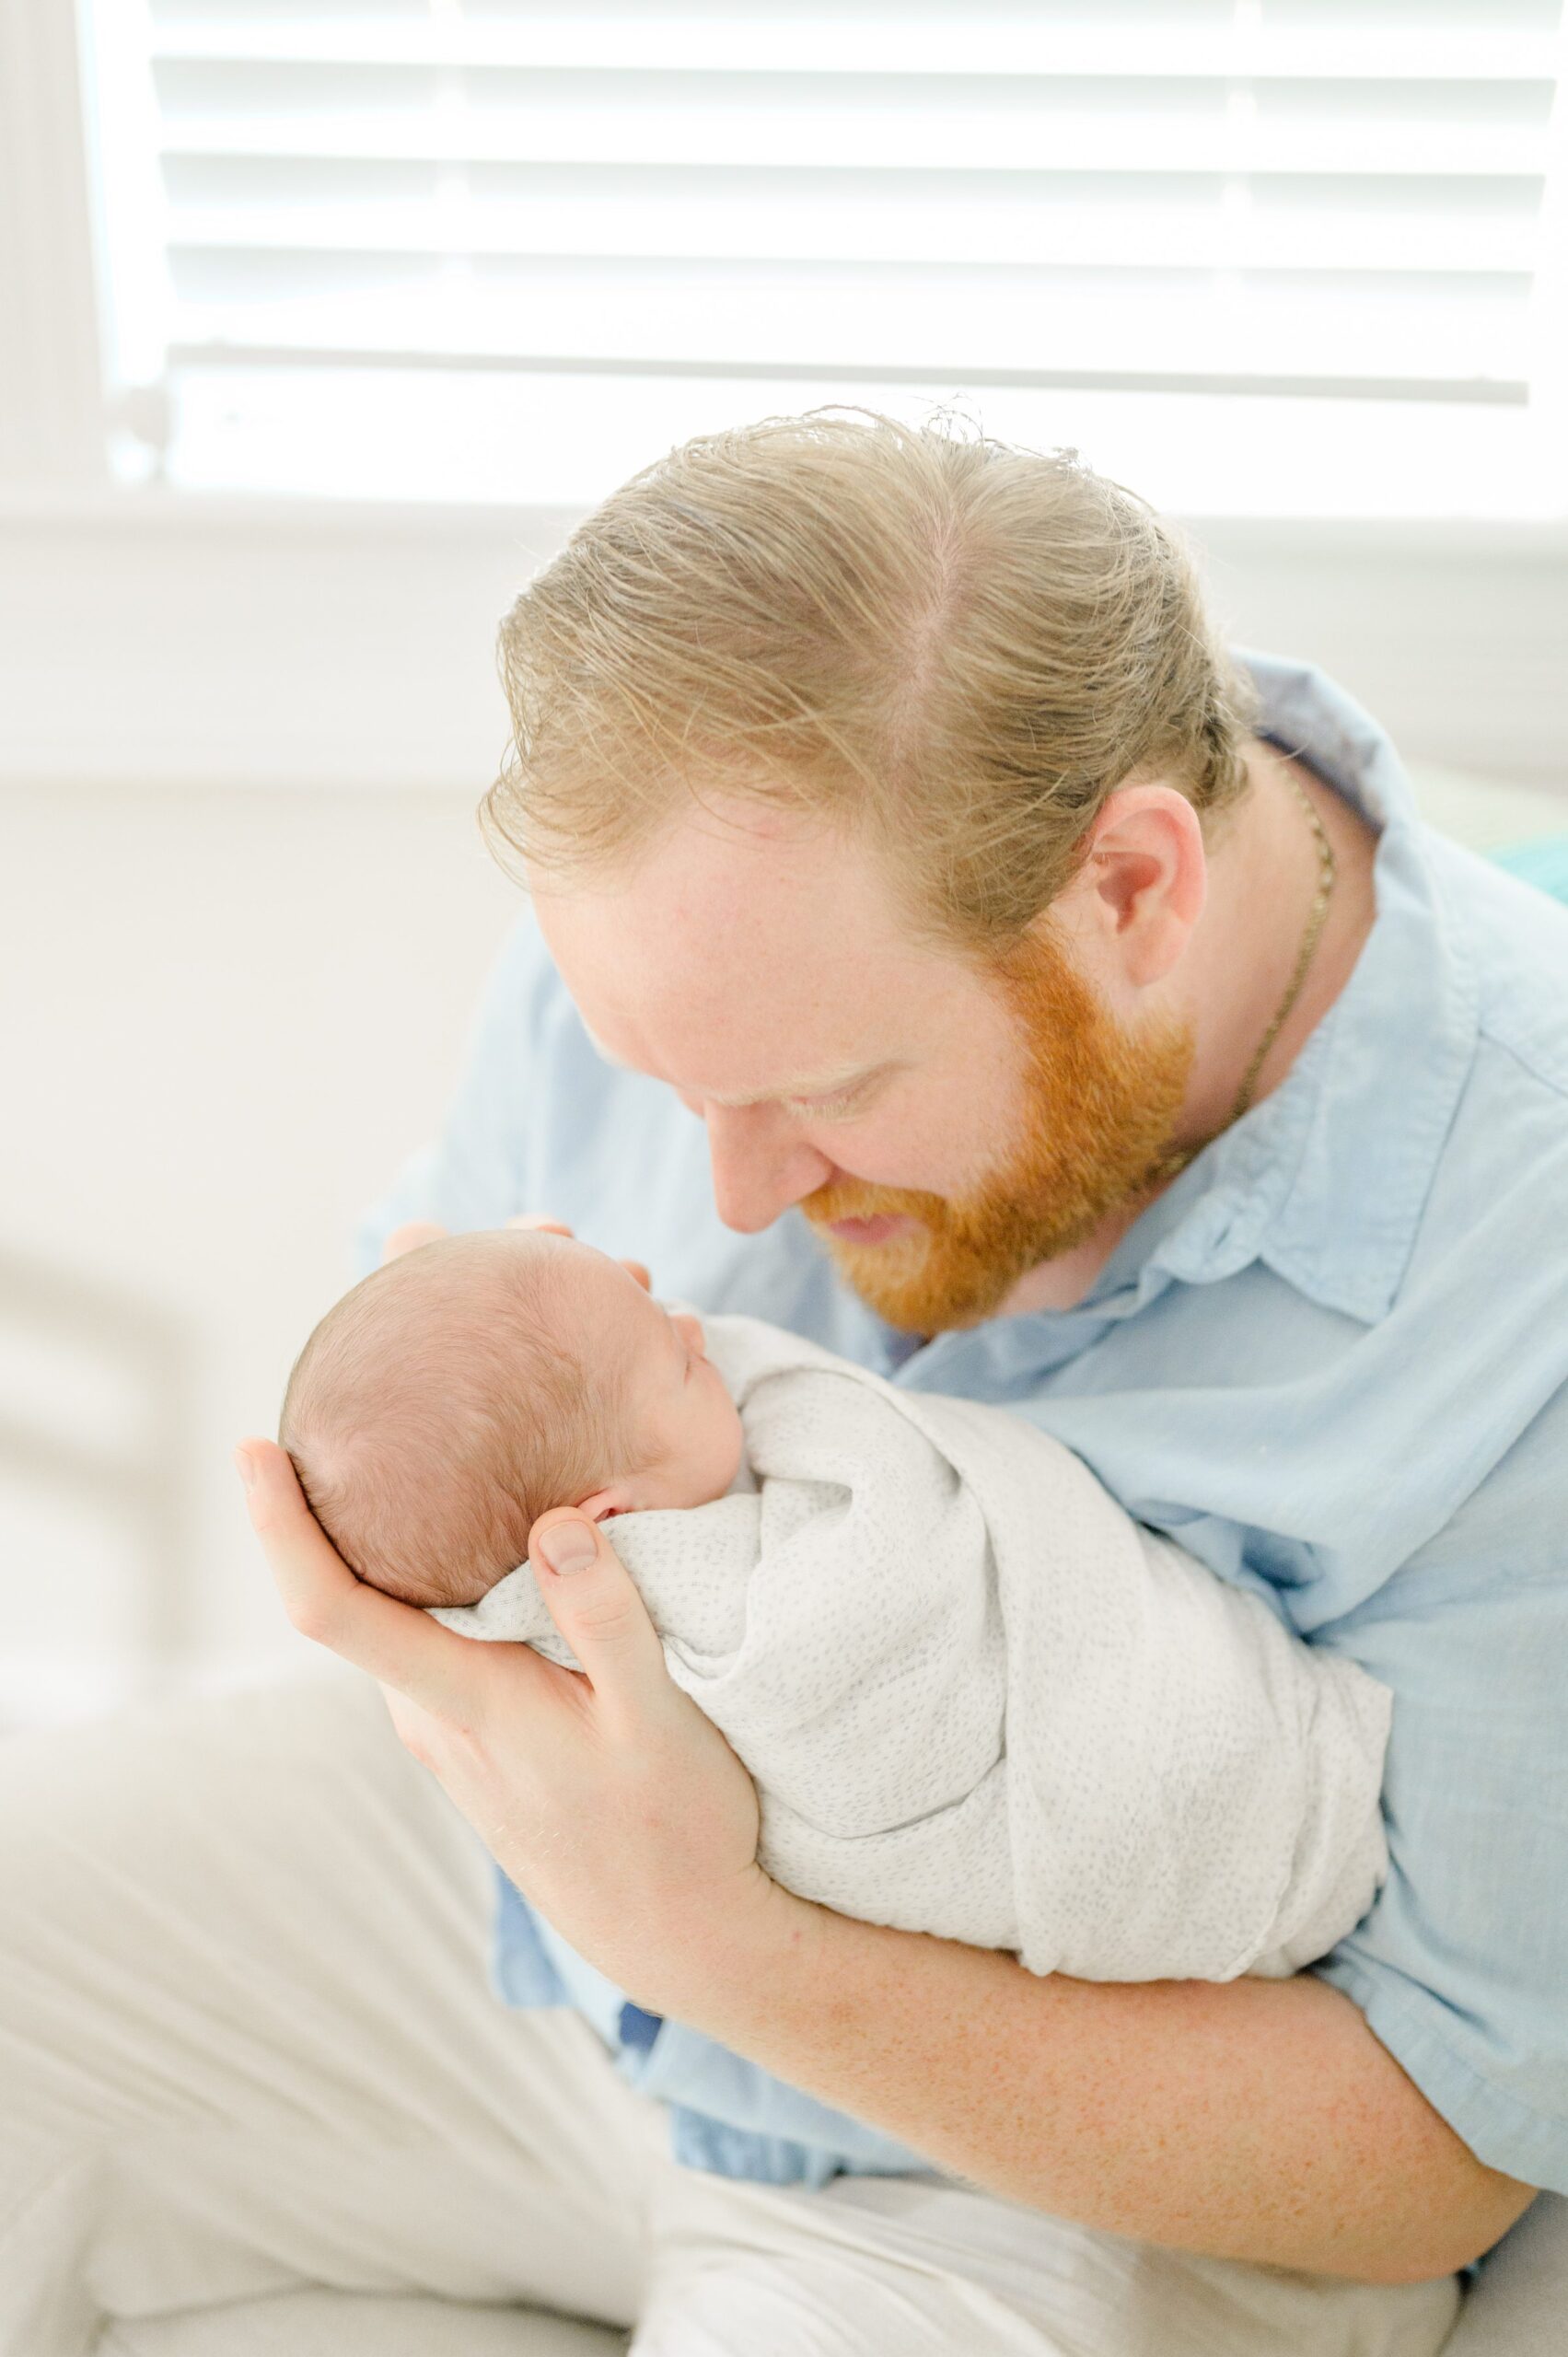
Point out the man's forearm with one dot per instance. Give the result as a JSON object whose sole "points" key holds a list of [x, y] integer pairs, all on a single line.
{"points": [[1254, 2120]]}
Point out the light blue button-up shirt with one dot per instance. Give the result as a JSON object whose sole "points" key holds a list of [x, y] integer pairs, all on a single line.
{"points": [[1330, 1359]]}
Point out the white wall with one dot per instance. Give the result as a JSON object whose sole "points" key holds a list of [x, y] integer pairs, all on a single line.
{"points": [[160, 641], [228, 1013]]}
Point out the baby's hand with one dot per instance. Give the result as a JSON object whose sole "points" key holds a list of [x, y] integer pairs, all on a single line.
{"points": [[415, 1232], [409, 1237], [559, 1227]]}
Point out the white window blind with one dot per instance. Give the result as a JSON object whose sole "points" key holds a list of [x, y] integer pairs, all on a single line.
{"points": [[396, 232]]}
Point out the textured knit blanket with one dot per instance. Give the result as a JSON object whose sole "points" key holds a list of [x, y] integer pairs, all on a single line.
{"points": [[978, 1700]]}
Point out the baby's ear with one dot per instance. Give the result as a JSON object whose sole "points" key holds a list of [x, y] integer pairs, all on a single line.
{"points": [[602, 1504]]}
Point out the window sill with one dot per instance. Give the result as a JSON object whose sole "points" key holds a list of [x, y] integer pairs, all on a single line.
{"points": [[155, 638]]}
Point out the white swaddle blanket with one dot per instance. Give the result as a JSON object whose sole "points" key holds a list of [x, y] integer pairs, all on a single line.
{"points": [[979, 1700]]}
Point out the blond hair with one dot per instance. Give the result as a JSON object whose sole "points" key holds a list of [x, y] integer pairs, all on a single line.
{"points": [[439, 1409], [950, 645]]}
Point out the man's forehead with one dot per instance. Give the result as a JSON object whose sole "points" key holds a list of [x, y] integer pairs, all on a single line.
{"points": [[726, 879], [740, 1040], [742, 976]]}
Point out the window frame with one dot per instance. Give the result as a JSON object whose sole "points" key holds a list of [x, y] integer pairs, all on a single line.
{"points": [[158, 637], [52, 383]]}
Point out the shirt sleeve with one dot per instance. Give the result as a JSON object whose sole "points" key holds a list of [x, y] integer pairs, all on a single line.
{"points": [[1461, 1967], [476, 1173]]}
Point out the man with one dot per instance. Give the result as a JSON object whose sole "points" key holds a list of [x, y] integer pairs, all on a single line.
{"points": [[1074, 1018]]}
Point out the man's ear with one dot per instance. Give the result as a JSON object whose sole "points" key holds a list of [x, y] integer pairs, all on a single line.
{"points": [[1141, 887]]}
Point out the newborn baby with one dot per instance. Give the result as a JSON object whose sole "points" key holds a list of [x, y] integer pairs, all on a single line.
{"points": [[977, 1699], [452, 1397]]}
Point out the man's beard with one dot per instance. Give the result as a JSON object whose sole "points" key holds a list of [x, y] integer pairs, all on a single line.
{"points": [[1100, 1110]]}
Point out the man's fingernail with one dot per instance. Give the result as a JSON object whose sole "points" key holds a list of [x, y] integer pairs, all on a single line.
{"points": [[567, 1546], [244, 1466]]}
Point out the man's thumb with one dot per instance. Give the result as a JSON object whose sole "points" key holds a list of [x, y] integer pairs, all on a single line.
{"points": [[593, 1601], [564, 1546]]}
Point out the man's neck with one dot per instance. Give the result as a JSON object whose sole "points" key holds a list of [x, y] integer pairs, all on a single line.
{"points": [[1262, 874]]}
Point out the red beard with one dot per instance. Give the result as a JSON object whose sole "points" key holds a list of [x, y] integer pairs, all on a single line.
{"points": [[1100, 1109]]}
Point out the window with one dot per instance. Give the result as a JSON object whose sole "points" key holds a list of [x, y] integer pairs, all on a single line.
{"points": [[1251, 255]]}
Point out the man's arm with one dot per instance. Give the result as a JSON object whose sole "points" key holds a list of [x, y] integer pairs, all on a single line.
{"points": [[1257, 2119], [1250, 2120]]}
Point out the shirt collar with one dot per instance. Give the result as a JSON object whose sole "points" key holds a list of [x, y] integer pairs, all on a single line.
{"points": [[1325, 1181]]}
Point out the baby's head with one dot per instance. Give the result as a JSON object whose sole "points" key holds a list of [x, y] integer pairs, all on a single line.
{"points": [[448, 1401]]}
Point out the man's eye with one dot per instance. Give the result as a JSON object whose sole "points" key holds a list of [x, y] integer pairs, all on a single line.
{"points": [[828, 1107]]}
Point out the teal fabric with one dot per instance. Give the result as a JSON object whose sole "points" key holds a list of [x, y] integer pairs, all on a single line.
{"points": [[1542, 861]]}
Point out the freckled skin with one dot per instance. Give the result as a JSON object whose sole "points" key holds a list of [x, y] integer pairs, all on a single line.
{"points": [[1001, 1115], [757, 964]]}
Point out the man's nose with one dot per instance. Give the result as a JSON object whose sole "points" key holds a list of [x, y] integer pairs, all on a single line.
{"points": [[760, 1167]]}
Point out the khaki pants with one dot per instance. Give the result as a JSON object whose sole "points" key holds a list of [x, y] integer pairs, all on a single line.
{"points": [[255, 2096]]}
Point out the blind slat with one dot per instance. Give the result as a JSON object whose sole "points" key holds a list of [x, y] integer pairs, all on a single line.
{"points": [[1392, 136], [1058, 226], [1343, 196], [943, 330], [1497, 44]]}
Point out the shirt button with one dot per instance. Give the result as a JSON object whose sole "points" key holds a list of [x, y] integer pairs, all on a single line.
{"points": [[638, 2029]]}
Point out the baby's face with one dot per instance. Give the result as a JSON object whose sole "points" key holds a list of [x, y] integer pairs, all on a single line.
{"points": [[688, 1428]]}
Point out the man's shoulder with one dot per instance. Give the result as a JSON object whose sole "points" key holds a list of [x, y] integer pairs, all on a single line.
{"points": [[525, 985], [1500, 1177], [1489, 1258], [1514, 938]]}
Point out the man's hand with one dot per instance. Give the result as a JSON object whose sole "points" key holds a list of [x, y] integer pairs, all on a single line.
{"points": [[607, 1797]]}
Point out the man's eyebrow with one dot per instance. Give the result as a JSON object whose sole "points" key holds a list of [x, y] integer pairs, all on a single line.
{"points": [[814, 1084], [793, 1085]]}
